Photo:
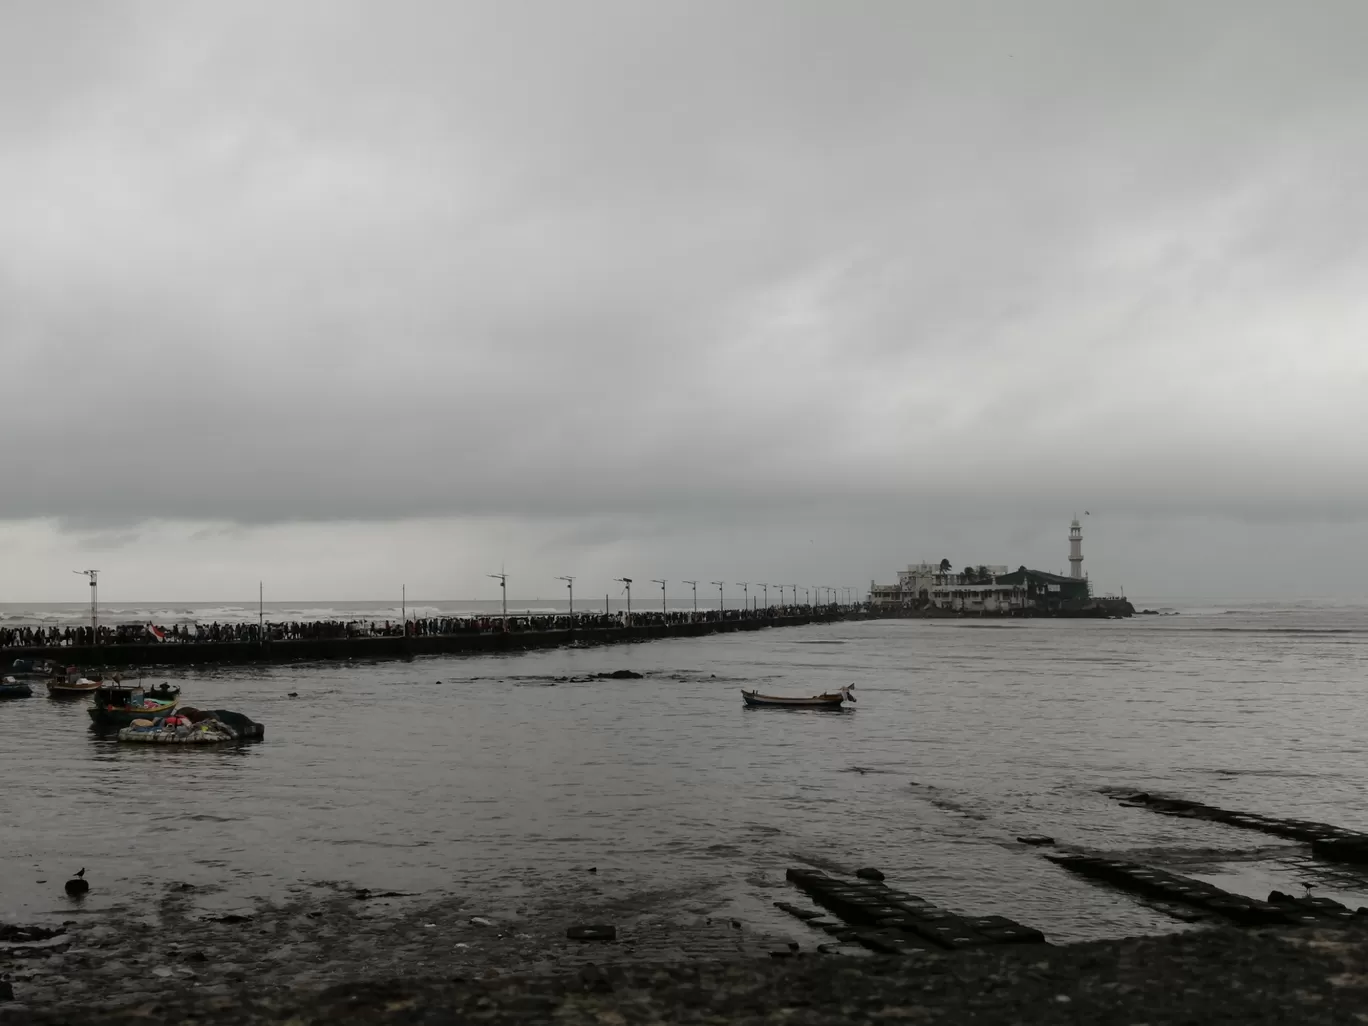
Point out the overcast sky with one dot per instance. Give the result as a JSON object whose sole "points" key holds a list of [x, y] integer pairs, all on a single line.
{"points": [[344, 295]]}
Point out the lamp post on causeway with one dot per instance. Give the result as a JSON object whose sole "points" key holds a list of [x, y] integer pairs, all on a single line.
{"points": [[807, 595], [745, 595], [766, 587], [570, 583], [503, 587], [662, 592], [94, 604], [627, 583], [695, 591], [721, 602]]}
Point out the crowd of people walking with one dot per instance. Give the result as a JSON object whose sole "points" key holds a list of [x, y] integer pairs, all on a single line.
{"points": [[251, 633]]}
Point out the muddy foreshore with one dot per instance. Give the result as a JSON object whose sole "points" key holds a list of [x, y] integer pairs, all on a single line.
{"points": [[331, 954]]}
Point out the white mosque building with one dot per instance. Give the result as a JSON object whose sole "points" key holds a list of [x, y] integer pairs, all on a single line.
{"points": [[990, 588]]}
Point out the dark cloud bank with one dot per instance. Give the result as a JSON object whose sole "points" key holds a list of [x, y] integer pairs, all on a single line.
{"points": [[825, 287]]}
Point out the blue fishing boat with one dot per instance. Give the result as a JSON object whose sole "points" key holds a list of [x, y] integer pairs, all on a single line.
{"points": [[11, 687]]}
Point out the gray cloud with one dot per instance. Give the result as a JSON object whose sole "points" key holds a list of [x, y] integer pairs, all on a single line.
{"points": [[636, 270]]}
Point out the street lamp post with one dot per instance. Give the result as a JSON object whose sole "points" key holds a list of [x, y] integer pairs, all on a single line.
{"points": [[662, 592], [745, 595], [721, 602], [694, 584], [766, 587], [570, 583], [94, 604], [503, 587], [627, 583]]}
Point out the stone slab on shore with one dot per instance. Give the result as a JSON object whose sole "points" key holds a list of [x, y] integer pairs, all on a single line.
{"points": [[1224, 976]]}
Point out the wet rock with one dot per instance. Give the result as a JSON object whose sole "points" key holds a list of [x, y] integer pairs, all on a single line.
{"points": [[592, 933], [1036, 839], [869, 873], [595, 980], [181, 887], [619, 675], [6, 991], [197, 956], [27, 934]]}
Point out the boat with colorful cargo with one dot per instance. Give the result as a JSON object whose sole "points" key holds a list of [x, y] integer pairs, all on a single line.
{"points": [[118, 706], [193, 727]]}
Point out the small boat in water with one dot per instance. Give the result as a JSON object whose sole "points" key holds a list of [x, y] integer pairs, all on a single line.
{"points": [[118, 706], [73, 686], [35, 669], [829, 700], [11, 687], [163, 692], [193, 727]]}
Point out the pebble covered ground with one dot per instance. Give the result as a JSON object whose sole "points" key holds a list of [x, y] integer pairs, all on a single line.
{"points": [[180, 941], [1224, 976]]}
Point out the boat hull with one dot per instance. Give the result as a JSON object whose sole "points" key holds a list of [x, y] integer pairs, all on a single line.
{"points": [[122, 717], [17, 689], [63, 689], [757, 700]]}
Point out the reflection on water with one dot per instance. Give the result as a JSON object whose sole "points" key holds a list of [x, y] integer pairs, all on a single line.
{"points": [[448, 771]]}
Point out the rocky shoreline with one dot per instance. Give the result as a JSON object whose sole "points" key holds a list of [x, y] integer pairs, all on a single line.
{"points": [[1220, 976], [334, 954]]}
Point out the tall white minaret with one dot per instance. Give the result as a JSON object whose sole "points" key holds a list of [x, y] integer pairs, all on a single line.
{"points": [[1075, 550]]}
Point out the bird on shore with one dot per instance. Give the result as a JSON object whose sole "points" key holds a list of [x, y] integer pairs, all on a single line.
{"points": [[77, 884]]}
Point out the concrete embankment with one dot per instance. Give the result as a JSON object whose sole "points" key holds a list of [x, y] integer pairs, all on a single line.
{"points": [[376, 648], [1098, 609]]}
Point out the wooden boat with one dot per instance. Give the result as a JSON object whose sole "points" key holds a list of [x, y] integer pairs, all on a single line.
{"points": [[12, 688], [829, 700], [163, 692], [73, 686], [119, 706], [35, 669]]}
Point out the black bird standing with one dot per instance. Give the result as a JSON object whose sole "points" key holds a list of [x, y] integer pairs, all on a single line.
{"points": [[77, 884]]}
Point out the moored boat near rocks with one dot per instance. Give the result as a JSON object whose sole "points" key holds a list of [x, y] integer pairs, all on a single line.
{"points": [[194, 727]]}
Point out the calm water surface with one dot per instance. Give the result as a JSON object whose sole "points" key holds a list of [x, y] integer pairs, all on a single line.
{"points": [[447, 772]]}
